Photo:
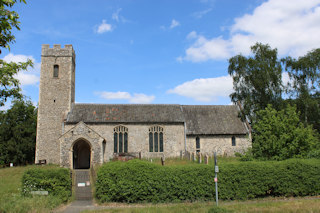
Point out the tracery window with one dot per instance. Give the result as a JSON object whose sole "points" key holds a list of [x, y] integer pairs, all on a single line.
{"points": [[155, 139], [120, 134], [56, 71]]}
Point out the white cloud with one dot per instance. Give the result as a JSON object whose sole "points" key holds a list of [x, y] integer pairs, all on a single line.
{"points": [[200, 14], [285, 78], [119, 18], [203, 49], [29, 77], [136, 98], [192, 35], [205, 89], [104, 27], [139, 98], [115, 15], [115, 95], [210, 89], [17, 58], [174, 23], [291, 26]]}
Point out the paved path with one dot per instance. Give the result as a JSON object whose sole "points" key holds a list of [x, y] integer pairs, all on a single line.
{"points": [[78, 206], [82, 185], [83, 193]]}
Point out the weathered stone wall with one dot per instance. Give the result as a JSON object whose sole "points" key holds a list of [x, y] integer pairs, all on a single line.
{"points": [[80, 132], [56, 94], [222, 144], [138, 139]]}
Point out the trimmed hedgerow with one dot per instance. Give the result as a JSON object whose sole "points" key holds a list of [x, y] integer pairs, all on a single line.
{"points": [[56, 181], [140, 181]]}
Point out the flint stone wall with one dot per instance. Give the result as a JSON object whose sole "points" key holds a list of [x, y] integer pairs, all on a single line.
{"points": [[80, 132], [222, 144], [138, 139], [56, 96]]}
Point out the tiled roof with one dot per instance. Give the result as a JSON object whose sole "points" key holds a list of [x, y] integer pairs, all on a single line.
{"points": [[206, 120]]}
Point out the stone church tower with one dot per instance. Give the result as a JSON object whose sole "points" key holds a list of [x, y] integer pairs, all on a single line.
{"points": [[57, 93]]}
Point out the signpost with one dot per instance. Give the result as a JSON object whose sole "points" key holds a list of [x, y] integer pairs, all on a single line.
{"points": [[216, 170]]}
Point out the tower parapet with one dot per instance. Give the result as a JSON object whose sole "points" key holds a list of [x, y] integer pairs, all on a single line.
{"points": [[57, 51]]}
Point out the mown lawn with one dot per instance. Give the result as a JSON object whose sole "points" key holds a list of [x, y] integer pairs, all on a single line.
{"points": [[267, 205], [10, 194]]}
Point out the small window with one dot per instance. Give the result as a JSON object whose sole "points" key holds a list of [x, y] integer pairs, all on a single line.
{"points": [[120, 134], [55, 71], [197, 144], [156, 139], [233, 141]]}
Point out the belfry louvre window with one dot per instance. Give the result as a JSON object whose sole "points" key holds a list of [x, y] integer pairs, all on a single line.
{"points": [[56, 71], [120, 134], [155, 139]]}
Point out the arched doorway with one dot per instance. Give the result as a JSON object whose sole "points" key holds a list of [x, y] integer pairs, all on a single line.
{"points": [[81, 155]]}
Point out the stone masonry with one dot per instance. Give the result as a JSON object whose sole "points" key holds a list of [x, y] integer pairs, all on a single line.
{"points": [[55, 98], [221, 144]]}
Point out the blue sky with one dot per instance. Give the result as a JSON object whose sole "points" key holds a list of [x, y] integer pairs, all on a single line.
{"points": [[159, 51]]}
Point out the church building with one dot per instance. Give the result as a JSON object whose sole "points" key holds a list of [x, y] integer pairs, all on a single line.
{"points": [[78, 135]]}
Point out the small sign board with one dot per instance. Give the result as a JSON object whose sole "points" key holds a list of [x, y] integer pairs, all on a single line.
{"points": [[11, 164], [39, 192], [81, 184], [216, 169]]}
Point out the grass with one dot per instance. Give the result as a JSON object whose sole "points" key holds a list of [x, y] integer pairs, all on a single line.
{"points": [[267, 205], [10, 194]]}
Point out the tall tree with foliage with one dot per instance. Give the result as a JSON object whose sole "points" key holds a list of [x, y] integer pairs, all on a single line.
{"points": [[304, 87], [9, 85], [18, 133], [280, 135], [256, 79]]}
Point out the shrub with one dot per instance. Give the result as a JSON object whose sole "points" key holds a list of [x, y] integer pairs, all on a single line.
{"points": [[246, 156], [280, 135], [56, 181], [314, 154], [139, 181]]}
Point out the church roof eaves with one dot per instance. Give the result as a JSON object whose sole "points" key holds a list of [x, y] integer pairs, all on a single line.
{"points": [[199, 119]]}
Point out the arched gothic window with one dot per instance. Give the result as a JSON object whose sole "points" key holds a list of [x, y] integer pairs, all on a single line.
{"points": [[56, 71], [155, 139], [120, 134]]}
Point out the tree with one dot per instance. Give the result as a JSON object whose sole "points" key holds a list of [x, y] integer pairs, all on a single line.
{"points": [[304, 86], [8, 20], [280, 135], [256, 79], [9, 85], [18, 133]]}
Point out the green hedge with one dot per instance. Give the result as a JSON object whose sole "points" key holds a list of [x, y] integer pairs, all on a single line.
{"points": [[56, 181], [140, 181]]}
